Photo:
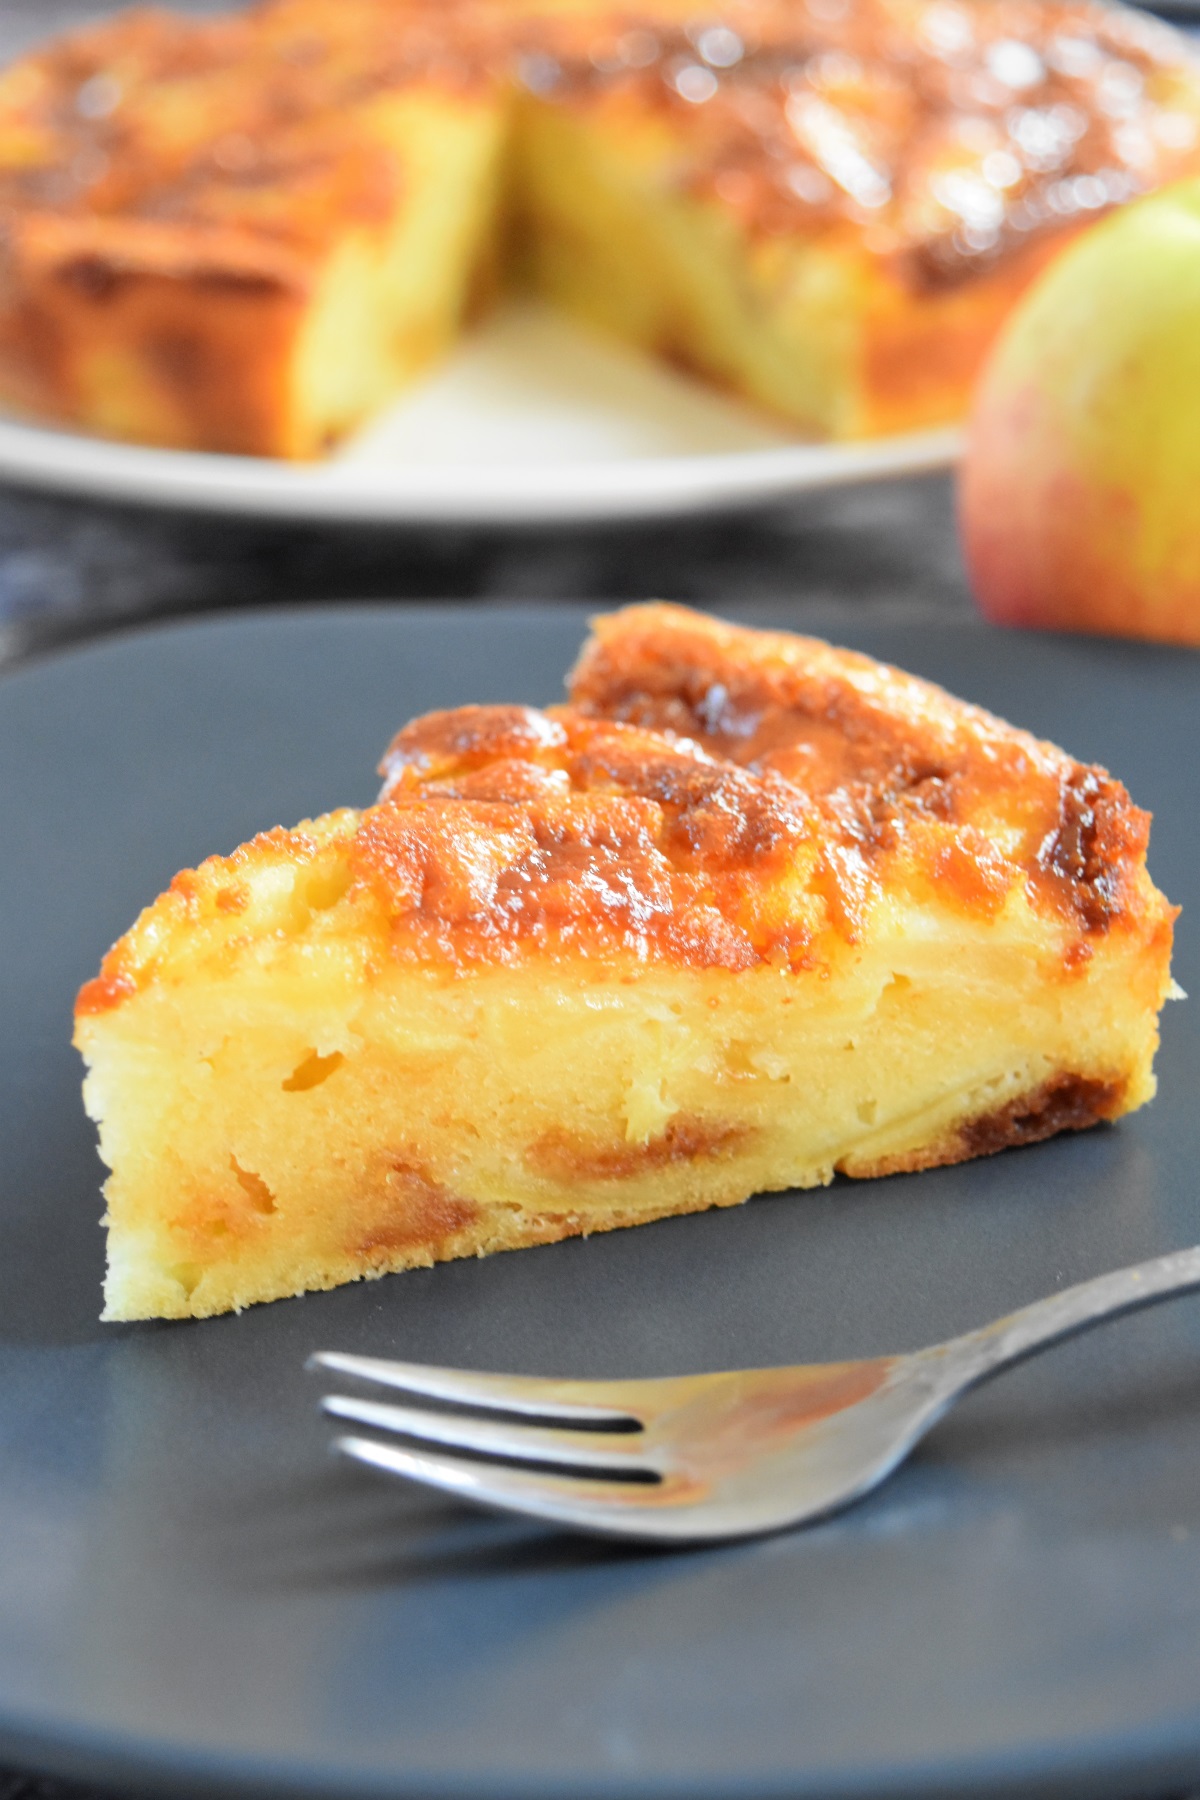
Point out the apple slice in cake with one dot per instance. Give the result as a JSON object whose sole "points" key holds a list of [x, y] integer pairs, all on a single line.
{"points": [[750, 912]]}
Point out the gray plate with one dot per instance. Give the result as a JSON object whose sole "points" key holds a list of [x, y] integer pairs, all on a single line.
{"points": [[193, 1595]]}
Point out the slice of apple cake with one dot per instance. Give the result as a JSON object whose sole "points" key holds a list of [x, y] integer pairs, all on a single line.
{"points": [[749, 912]]}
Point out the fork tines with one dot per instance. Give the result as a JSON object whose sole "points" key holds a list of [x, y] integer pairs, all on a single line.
{"points": [[542, 1450]]}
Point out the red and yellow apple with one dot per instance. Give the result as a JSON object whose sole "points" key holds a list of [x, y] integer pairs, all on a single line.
{"points": [[1079, 495]]}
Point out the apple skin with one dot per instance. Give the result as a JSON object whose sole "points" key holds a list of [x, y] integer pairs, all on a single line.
{"points": [[1079, 493]]}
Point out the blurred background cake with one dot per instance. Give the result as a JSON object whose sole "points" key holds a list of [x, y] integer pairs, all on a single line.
{"points": [[248, 232]]}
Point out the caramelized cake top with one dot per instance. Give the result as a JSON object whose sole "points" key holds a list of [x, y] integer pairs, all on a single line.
{"points": [[944, 133], [885, 757], [518, 828], [948, 131], [248, 133], [715, 798]]}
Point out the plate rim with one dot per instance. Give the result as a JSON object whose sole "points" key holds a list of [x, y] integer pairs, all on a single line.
{"points": [[615, 490], [1162, 1756], [1159, 1761]]}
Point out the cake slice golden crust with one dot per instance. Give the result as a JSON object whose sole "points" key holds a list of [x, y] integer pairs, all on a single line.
{"points": [[571, 973]]}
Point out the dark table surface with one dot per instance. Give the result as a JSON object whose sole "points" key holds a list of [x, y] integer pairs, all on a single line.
{"points": [[69, 567]]}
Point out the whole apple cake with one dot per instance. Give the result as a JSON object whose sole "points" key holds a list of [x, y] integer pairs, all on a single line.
{"points": [[248, 233], [748, 912]]}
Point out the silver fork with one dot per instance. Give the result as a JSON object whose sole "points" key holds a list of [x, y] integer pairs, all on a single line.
{"points": [[703, 1457]]}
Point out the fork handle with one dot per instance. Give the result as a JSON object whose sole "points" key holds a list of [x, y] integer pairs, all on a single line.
{"points": [[978, 1354]]}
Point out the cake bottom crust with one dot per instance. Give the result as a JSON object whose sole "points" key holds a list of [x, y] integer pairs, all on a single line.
{"points": [[1064, 1102]]}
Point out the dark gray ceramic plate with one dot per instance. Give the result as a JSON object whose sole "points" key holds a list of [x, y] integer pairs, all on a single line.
{"points": [[193, 1595]]}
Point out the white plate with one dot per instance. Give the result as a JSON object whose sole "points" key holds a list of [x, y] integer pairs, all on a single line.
{"points": [[531, 421]]}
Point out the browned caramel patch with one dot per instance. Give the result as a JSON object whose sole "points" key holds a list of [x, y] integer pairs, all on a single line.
{"points": [[1096, 833], [565, 1156], [898, 770], [504, 829], [104, 991], [1066, 1102], [466, 737], [414, 1210]]}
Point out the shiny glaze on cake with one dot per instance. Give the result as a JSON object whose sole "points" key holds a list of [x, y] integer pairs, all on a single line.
{"points": [[950, 133], [243, 125], [713, 798], [895, 766]]}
